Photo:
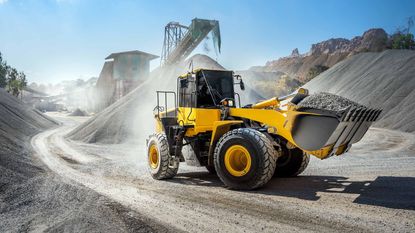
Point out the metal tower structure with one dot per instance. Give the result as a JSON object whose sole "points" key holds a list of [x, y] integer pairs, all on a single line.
{"points": [[173, 34], [180, 41]]}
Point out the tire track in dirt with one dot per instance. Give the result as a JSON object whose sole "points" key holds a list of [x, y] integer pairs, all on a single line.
{"points": [[144, 199], [190, 207]]}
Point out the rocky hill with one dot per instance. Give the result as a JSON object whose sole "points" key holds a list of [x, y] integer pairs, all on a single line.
{"points": [[327, 53], [383, 80], [264, 85], [356, 77]]}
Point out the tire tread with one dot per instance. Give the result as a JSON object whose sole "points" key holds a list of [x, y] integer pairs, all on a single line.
{"points": [[269, 164], [165, 172]]}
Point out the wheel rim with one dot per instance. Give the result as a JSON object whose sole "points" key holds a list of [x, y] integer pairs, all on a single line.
{"points": [[237, 160], [153, 157]]}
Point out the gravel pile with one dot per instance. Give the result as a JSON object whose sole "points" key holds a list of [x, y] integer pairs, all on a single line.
{"points": [[383, 80], [50, 203], [33, 199], [131, 118], [327, 101], [376, 80], [18, 122], [78, 112]]}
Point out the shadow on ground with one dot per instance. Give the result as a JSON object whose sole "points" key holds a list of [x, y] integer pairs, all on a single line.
{"points": [[385, 191], [197, 179]]}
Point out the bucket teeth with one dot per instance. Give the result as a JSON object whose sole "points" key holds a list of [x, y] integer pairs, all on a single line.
{"points": [[349, 114], [379, 111], [353, 125], [364, 115], [374, 114], [360, 115], [371, 114], [339, 130]]}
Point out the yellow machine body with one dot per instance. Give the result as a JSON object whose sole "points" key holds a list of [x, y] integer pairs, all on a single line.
{"points": [[300, 128], [246, 146], [278, 122]]}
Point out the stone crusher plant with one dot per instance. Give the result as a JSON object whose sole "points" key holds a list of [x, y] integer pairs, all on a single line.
{"points": [[246, 146]]}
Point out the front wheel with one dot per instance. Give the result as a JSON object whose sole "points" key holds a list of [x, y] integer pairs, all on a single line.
{"points": [[244, 159], [211, 169], [158, 158]]}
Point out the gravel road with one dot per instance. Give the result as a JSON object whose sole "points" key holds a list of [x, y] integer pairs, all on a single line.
{"points": [[370, 189]]}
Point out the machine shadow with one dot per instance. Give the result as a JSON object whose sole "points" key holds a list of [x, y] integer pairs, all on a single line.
{"points": [[197, 179], [384, 191]]}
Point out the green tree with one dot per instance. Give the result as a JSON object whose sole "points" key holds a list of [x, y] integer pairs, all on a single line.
{"points": [[403, 41], [10, 79], [22, 83], [403, 38], [13, 84], [3, 72]]}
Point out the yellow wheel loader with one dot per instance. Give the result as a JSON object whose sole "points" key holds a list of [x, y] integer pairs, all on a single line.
{"points": [[246, 146]]}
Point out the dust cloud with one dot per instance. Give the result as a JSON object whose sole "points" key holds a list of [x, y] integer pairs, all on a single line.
{"points": [[66, 95], [131, 119]]}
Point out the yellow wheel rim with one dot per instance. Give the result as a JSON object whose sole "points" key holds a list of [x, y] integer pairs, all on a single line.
{"points": [[237, 160], [153, 157]]}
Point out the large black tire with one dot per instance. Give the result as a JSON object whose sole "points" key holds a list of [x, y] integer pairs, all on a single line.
{"points": [[262, 159], [161, 169], [211, 169], [292, 162]]}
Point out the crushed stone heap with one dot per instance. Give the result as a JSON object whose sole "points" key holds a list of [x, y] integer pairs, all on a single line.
{"points": [[327, 101], [78, 112]]}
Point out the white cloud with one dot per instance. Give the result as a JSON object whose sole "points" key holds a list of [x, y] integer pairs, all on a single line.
{"points": [[3, 1]]}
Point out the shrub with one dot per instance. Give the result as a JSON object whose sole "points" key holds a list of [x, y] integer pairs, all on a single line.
{"points": [[282, 86], [3, 73], [403, 41], [314, 71], [403, 38]]}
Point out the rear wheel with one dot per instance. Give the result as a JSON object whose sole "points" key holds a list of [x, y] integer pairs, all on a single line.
{"points": [[158, 158], [211, 169], [244, 159], [292, 162]]}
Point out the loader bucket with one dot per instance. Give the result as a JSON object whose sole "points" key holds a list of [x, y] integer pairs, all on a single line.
{"points": [[315, 129]]}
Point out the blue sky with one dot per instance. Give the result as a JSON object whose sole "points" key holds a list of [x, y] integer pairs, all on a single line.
{"points": [[55, 40]]}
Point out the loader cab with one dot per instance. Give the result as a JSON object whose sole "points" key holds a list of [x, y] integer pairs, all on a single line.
{"points": [[206, 88]]}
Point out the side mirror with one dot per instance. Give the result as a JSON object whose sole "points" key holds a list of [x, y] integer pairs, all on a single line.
{"points": [[242, 85]]}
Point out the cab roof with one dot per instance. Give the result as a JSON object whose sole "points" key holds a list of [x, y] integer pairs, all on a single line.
{"points": [[200, 69]]}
